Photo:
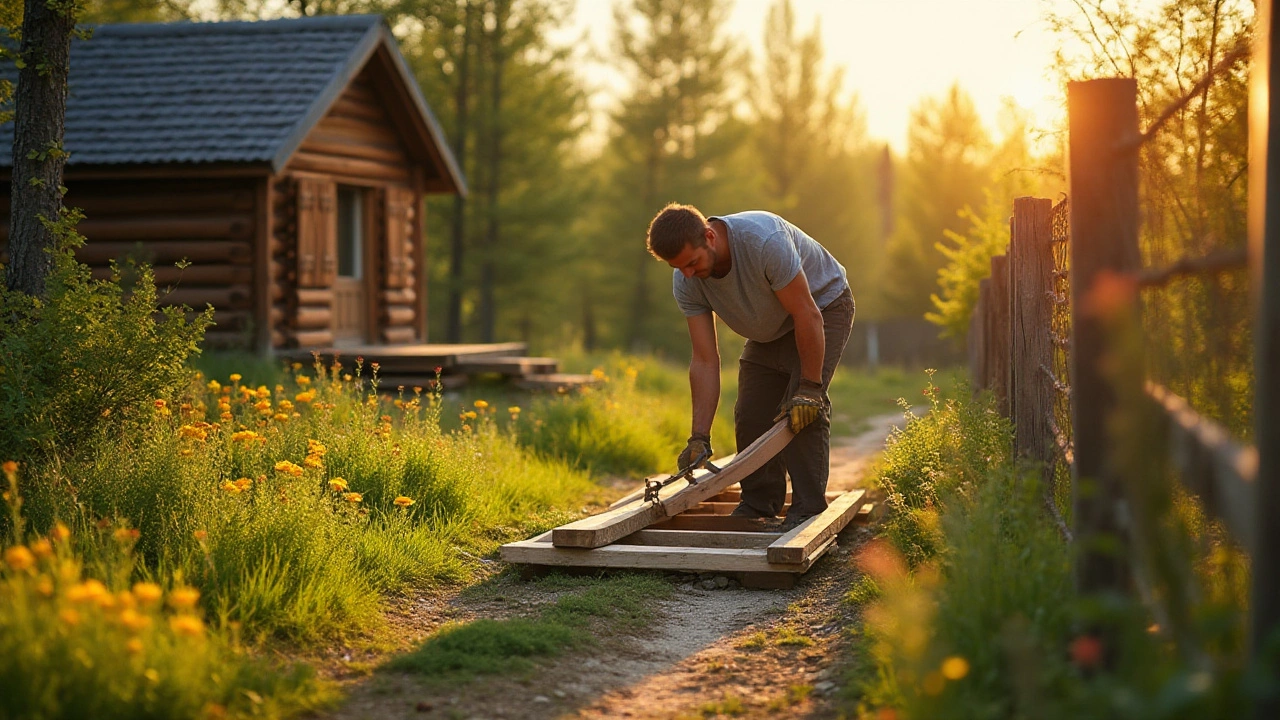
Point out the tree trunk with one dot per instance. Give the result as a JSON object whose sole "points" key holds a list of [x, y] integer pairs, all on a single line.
{"points": [[488, 274], [459, 241], [38, 157]]}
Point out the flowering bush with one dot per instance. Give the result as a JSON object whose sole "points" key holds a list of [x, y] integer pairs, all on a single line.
{"points": [[88, 359]]}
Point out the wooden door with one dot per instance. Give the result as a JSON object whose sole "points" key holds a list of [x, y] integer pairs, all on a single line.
{"points": [[350, 281]]}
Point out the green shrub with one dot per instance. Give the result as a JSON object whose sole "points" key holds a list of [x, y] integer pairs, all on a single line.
{"points": [[88, 359]]}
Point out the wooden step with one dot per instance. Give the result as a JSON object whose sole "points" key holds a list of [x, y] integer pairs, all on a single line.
{"points": [[509, 366], [554, 382]]}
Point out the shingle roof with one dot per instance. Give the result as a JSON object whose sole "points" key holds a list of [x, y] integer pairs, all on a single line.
{"points": [[239, 92]]}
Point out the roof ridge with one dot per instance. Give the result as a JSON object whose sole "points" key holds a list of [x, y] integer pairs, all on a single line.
{"points": [[189, 27]]}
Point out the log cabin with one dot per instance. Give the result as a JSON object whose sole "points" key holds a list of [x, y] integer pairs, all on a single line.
{"points": [[286, 161]]}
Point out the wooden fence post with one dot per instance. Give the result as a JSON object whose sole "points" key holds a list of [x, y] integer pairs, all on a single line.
{"points": [[1264, 264], [1031, 266], [1103, 182], [998, 363], [978, 350]]}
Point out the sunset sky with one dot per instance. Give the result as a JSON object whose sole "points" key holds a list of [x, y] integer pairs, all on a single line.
{"points": [[895, 52]]}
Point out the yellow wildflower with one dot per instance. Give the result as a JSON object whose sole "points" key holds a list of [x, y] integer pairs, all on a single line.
{"points": [[631, 373], [244, 483], [314, 447], [19, 558], [231, 487], [226, 416], [191, 431], [245, 435], [514, 409], [60, 532], [147, 592], [598, 374], [469, 415], [313, 461], [280, 417], [303, 380], [185, 452], [161, 403], [134, 646], [352, 497], [87, 591], [214, 385], [263, 406], [955, 667], [184, 598], [42, 548], [288, 468], [45, 586], [235, 377], [481, 404], [403, 501], [305, 397], [338, 485], [10, 468], [126, 535], [285, 406], [69, 616], [346, 377], [187, 625], [200, 535], [262, 393], [151, 675]]}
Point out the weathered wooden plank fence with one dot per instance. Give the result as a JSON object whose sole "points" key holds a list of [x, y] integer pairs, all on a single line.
{"points": [[1040, 340]]}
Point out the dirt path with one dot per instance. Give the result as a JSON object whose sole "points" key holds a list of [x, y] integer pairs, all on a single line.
{"points": [[731, 651]]}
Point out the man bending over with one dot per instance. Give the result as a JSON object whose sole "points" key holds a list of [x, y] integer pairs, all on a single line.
{"points": [[783, 292]]}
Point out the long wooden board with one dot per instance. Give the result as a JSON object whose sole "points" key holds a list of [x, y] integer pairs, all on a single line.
{"points": [[600, 530], [541, 551], [796, 545]]}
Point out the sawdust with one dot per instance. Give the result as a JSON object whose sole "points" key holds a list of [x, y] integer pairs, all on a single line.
{"points": [[751, 653]]}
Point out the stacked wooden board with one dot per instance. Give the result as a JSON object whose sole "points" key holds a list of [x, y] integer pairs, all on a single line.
{"points": [[416, 364], [689, 528]]}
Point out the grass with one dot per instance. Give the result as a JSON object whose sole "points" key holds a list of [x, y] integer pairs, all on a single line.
{"points": [[970, 612], [491, 647]]}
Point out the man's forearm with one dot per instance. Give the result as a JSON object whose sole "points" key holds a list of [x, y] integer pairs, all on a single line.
{"points": [[704, 385], [811, 345]]}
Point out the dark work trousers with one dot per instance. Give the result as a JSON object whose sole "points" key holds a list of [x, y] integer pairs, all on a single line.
{"points": [[768, 375]]}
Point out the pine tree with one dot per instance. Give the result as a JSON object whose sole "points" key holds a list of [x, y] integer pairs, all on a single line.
{"points": [[674, 137]]}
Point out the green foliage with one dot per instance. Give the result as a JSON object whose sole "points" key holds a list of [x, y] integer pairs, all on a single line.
{"points": [[88, 359], [77, 640], [968, 259], [984, 622], [956, 445], [501, 646]]}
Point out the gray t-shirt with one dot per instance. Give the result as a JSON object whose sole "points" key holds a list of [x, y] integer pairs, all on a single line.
{"points": [[768, 252]]}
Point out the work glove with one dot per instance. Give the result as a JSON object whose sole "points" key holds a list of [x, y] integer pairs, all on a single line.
{"points": [[699, 447], [804, 406]]}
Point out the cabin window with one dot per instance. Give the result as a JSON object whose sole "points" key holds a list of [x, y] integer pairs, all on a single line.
{"points": [[350, 231]]}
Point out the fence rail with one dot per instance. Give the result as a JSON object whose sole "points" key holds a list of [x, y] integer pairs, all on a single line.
{"points": [[1040, 341]]}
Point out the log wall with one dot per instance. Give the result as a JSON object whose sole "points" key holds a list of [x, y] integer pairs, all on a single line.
{"points": [[210, 223]]}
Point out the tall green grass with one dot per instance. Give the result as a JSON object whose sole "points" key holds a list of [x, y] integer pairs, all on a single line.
{"points": [[972, 613]]}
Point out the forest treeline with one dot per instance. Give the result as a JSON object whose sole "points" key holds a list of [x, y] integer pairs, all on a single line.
{"points": [[549, 245]]}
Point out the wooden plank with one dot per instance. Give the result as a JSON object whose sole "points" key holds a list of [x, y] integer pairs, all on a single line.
{"points": [[638, 493], [808, 536], [420, 353], [602, 529], [192, 275], [235, 227], [700, 538], [509, 365], [542, 551], [399, 335], [1212, 465], [726, 523], [554, 382]]}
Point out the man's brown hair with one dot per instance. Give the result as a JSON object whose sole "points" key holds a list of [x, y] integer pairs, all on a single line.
{"points": [[674, 227]]}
